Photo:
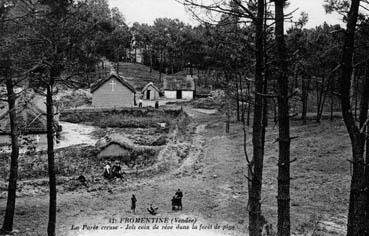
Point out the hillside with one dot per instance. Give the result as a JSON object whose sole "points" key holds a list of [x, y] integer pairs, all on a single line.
{"points": [[139, 75]]}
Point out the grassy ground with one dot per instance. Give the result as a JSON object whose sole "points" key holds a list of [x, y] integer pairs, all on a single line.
{"points": [[139, 75], [214, 186]]}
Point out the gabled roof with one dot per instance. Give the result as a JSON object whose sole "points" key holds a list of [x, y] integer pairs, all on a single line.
{"points": [[99, 83], [178, 82], [152, 85]]}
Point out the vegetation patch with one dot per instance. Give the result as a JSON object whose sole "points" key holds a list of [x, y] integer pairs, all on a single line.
{"points": [[122, 118], [75, 98]]}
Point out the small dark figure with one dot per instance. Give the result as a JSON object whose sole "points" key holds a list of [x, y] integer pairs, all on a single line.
{"points": [[133, 203], [82, 180], [152, 210], [116, 170], [178, 195], [176, 203], [156, 104]]}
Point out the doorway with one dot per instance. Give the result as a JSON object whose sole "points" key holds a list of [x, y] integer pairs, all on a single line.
{"points": [[179, 94], [148, 94]]}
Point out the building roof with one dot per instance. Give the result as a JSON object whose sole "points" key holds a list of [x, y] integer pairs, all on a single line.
{"points": [[152, 85], [178, 82], [120, 140], [99, 83], [124, 143]]}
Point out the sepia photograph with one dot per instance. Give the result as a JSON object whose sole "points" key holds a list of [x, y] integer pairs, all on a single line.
{"points": [[184, 117]]}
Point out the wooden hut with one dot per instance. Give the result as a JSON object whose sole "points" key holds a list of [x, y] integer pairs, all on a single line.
{"points": [[150, 92]]}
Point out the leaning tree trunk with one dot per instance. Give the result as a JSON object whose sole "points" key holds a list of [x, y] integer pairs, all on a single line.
{"points": [[358, 207], [284, 224], [256, 177], [12, 187], [51, 159]]}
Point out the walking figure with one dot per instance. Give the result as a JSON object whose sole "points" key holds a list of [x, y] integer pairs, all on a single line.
{"points": [[133, 203]]}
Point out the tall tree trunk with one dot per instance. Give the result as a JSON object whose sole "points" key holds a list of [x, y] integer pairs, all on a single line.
{"points": [[321, 96], [356, 91], [304, 99], [150, 61], [266, 73], [332, 98], [256, 177], [249, 101], [51, 157], [12, 186], [242, 98], [161, 66], [283, 197], [237, 99], [358, 207]]}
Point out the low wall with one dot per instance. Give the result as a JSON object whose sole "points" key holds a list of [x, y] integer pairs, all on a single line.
{"points": [[120, 117], [134, 111]]}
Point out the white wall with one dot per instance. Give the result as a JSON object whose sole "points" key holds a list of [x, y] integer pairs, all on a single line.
{"points": [[188, 95], [170, 94]]}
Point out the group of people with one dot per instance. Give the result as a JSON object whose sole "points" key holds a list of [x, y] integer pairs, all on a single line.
{"points": [[177, 200], [176, 203], [114, 171]]}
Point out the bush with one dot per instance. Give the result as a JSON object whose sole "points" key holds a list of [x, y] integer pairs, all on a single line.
{"points": [[69, 161]]}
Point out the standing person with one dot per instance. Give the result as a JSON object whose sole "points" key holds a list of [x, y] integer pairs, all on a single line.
{"points": [[179, 196], [107, 171], [133, 203], [140, 102], [116, 170]]}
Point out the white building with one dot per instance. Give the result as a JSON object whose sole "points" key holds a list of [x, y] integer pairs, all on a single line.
{"points": [[179, 87]]}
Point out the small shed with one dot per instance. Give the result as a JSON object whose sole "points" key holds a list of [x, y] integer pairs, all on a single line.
{"points": [[119, 147], [115, 146], [113, 91], [150, 92], [179, 87]]}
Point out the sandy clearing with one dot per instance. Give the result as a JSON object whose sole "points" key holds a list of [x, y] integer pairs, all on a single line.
{"points": [[74, 134]]}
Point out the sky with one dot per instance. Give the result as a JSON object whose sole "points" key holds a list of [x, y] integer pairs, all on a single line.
{"points": [[146, 11]]}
